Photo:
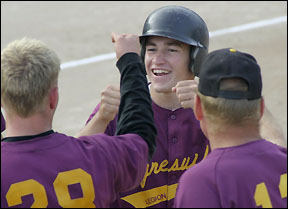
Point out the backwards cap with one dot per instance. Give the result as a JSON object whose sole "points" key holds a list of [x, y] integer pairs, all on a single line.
{"points": [[230, 63]]}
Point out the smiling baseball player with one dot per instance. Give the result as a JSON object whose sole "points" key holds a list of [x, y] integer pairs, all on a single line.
{"points": [[174, 42]]}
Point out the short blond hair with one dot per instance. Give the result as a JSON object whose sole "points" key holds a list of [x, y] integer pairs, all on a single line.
{"points": [[28, 71], [231, 111]]}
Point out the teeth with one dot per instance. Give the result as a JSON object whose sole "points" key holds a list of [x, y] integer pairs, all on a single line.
{"points": [[160, 71]]}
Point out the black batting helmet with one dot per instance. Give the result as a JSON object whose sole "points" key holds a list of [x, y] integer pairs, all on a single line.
{"points": [[181, 24]]}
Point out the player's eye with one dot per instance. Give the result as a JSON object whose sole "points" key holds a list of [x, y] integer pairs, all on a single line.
{"points": [[172, 50], [150, 49]]}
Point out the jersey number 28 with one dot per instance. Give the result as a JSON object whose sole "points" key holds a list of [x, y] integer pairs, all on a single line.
{"points": [[61, 183]]}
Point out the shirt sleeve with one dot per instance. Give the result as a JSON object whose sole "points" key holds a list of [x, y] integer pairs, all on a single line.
{"points": [[135, 110], [120, 161]]}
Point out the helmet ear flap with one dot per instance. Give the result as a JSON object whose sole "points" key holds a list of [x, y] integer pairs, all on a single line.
{"points": [[196, 58], [193, 54], [143, 41], [142, 53]]}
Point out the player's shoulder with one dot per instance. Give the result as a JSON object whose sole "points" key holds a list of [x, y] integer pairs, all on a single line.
{"points": [[243, 158], [204, 169]]}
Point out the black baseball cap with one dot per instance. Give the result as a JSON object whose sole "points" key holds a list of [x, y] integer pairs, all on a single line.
{"points": [[230, 63]]}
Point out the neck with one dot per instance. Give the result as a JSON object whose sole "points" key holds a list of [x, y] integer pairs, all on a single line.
{"points": [[165, 100], [230, 136], [33, 125]]}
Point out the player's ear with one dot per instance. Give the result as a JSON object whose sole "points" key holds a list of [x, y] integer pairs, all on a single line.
{"points": [[53, 97], [198, 108]]}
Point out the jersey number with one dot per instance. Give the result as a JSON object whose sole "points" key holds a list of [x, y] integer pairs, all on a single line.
{"points": [[61, 183], [261, 194]]}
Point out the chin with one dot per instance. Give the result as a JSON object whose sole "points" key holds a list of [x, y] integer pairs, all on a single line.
{"points": [[163, 90], [162, 87]]}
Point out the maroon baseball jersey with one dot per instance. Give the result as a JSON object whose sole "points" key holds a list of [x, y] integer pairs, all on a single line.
{"points": [[247, 176], [180, 145], [2, 123], [54, 170]]}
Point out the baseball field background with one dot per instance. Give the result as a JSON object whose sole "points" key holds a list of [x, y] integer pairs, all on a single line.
{"points": [[80, 34]]}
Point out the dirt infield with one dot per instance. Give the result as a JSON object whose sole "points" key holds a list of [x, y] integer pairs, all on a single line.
{"points": [[78, 30]]}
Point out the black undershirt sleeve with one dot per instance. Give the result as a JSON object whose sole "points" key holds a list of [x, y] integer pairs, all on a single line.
{"points": [[135, 110]]}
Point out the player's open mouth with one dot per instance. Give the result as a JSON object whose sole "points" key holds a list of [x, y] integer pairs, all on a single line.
{"points": [[160, 72]]}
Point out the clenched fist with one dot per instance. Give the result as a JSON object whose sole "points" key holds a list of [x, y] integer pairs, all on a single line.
{"points": [[186, 92], [109, 104], [125, 43]]}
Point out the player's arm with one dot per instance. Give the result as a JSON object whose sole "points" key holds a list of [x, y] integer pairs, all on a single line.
{"points": [[271, 130], [135, 110], [96, 125], [108, 108]]}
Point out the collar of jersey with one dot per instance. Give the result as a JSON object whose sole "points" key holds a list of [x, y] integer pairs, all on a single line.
{"points": [[23, 138]]}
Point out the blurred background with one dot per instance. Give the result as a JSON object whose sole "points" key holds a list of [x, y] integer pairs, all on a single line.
{"points": [[78, 30]]}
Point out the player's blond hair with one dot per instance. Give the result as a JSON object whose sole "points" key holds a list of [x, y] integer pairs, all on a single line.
{"points": [[231, 111], [28, 71]]}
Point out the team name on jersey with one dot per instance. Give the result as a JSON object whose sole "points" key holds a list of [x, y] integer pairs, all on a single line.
{"points": [[162, 193], [176, 166]]}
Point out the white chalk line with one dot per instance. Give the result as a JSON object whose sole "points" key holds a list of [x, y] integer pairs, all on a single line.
{"points": [[216, 33], [249, 26]]}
